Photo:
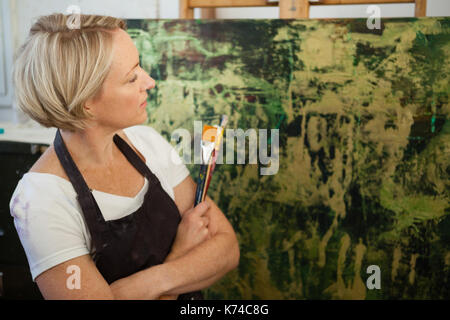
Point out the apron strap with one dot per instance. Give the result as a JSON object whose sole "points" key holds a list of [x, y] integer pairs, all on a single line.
{"points": [[94, 218], [70, 167], [134, 159]]}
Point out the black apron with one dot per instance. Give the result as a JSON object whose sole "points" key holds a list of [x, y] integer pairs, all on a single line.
{"points": [[135, 242]]}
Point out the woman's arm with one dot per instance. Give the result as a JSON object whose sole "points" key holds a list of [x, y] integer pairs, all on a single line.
{"points": [[184, 198], [85, 284], [193, 280], [210, 260], [183, 271], [197, 268]]}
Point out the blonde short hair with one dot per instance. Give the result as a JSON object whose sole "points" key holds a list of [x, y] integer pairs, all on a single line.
{"points": [[58, 68]]}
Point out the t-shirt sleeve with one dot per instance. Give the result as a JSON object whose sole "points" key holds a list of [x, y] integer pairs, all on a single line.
{"points": [[48, 228], [171, 164]]}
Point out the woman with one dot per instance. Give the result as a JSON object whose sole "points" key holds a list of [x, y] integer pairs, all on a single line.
{"points": [[106, 199]]}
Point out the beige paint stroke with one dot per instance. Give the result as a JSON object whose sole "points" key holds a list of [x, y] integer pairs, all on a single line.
{"points": [[356, 289]]}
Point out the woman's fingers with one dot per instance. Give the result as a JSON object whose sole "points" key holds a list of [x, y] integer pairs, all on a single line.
{"points": [[203, 222], [201, 209]]}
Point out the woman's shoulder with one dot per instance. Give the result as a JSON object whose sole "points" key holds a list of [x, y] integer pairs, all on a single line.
{"points": [[49, 163], [162, 158], [45, 177], [145, 132], [44, 185], [148, 139], [43, 189]]}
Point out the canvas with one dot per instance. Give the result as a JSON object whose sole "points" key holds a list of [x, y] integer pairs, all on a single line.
{"points": [[364, 147]]}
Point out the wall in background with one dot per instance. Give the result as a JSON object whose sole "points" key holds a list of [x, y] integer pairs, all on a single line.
{"points": [[26, 11], [5, 54], [23, 13], [435, 8]]}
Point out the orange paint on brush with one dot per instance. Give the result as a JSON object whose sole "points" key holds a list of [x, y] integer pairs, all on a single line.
{"points": [[209, 133]]}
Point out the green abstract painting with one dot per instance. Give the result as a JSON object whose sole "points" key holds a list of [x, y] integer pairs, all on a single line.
{"points": [[364, 148]]}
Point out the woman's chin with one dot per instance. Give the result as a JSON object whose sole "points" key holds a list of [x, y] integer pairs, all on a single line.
{"points": [[144, 116]]}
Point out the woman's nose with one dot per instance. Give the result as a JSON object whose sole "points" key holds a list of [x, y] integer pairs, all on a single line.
{"points": [[149, 83]]}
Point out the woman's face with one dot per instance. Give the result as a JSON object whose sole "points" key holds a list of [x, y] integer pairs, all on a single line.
{"points": [[123, 98]]}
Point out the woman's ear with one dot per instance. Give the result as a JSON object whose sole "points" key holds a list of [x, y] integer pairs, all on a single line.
{"points": [[91, 103], [89, 107]]}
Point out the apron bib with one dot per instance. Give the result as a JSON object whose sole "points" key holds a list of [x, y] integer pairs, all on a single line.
{"points": [[135, 242]]}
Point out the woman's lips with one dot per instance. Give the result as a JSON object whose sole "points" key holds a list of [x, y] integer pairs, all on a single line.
{"points": [[143, 104]]}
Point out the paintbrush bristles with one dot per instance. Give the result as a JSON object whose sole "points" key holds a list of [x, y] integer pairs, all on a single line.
{"points": [[209, 133], [224, 121]]}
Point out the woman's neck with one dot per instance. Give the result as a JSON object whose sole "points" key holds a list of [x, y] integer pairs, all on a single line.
{"points": [[91, 147]]}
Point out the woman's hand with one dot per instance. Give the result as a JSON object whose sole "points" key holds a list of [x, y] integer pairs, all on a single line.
{"points": [[192, 230]]}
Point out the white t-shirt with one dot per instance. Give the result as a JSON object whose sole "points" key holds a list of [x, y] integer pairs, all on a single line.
{"points": [[48, 217]]}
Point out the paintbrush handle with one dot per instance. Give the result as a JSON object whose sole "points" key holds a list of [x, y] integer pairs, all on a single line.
{"points": [[207, 177], [208, 180], [209, 174], [200, 184]]}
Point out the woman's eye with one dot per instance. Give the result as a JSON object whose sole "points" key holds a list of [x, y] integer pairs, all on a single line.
{"points": [[134, 78]]}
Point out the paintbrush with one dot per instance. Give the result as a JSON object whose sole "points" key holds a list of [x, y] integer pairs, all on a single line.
{"points": [[207, 147], [211, 137], [212, 164]]}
